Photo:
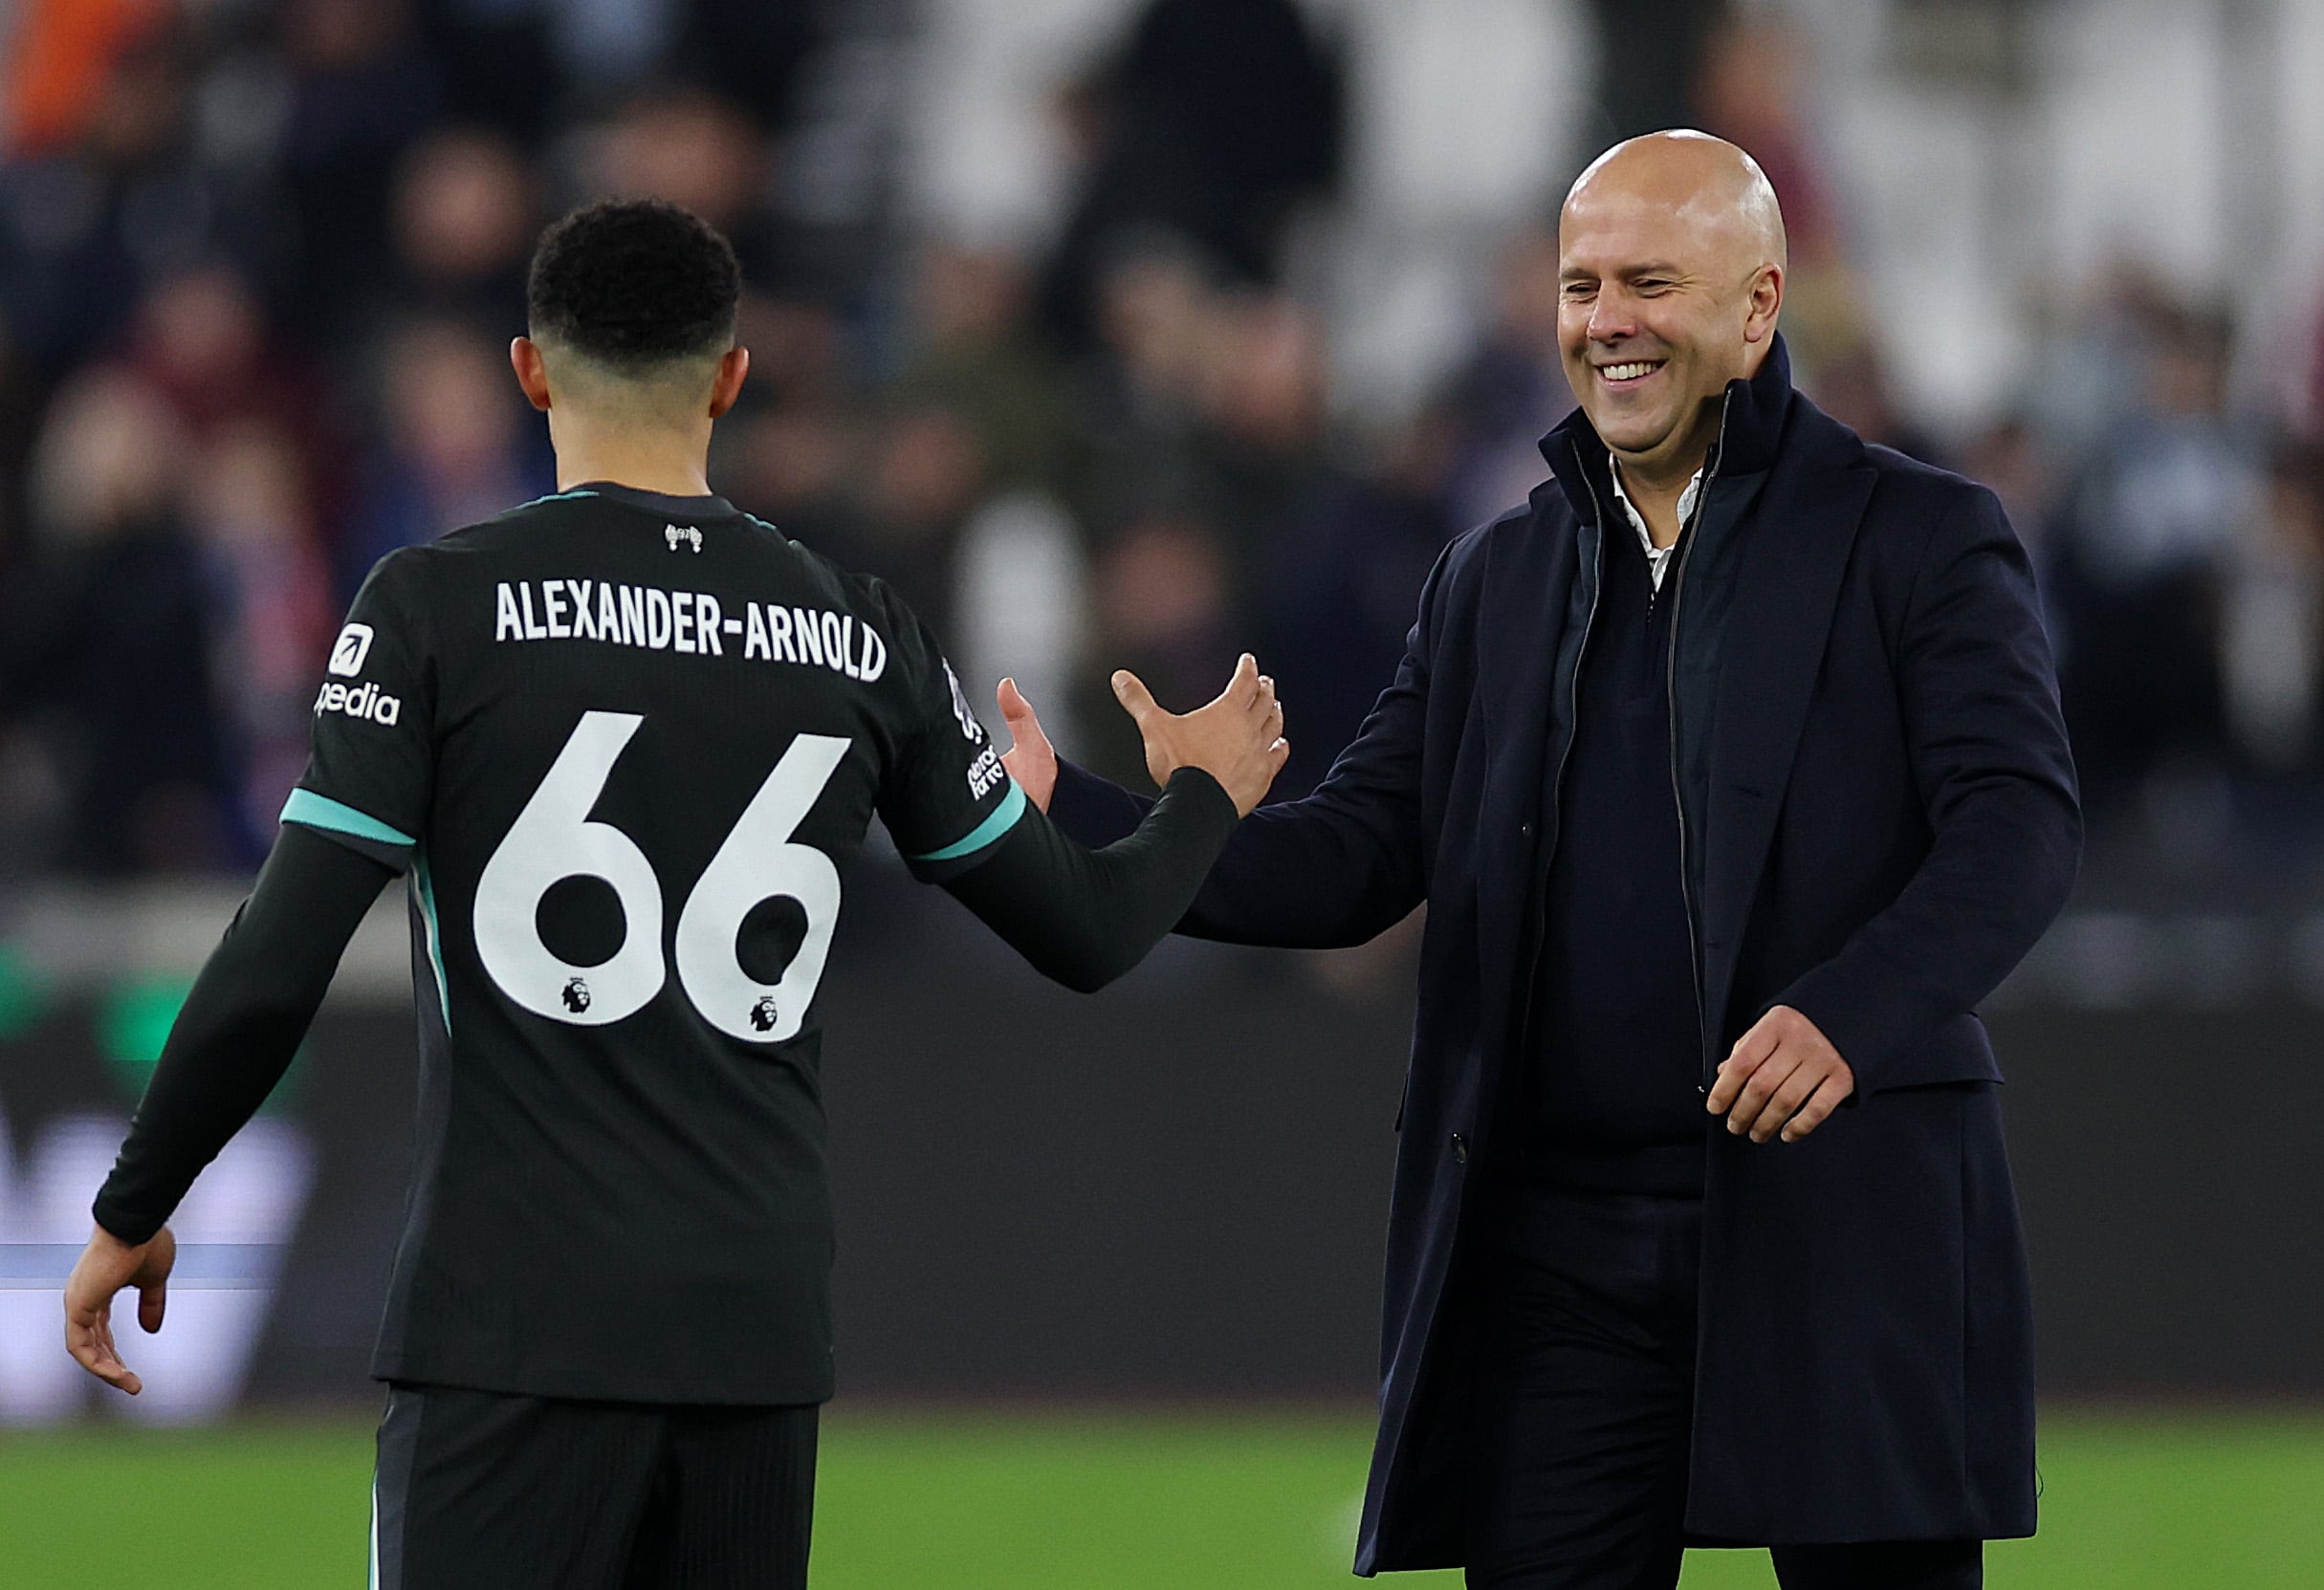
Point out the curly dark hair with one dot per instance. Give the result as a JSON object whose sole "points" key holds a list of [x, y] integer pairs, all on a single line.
{"points": [[634, 283]]}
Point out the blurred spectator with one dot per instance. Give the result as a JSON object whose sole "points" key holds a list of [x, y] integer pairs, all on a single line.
{"points": [[108, 641], [1260, 444], [798, 351], [201, 341], [1211, 122], [1649, 53], [1511, 390], [61, 56], [83, 229], [978, 358], [481, 47], [1139, 391], [2090, 377], [1161, 607], [2010, 458], [1218, 500], [792, 467], [752, 53], [458, 445], [927, 476], [464, 220], [274, 610], [2138, 560], [695, 149], [1342, 585], [360, 94], [1748, 89], [1851, 383], [2274, 619]]}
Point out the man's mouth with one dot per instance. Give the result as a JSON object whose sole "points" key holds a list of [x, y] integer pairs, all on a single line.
{"points": [[1629, 373]]}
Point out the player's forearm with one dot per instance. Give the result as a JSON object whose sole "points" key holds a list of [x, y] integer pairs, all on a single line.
{"points": [[1083, 917], [241, 1025], [1329, 870]]}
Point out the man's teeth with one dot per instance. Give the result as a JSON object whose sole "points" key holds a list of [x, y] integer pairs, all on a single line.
{"points": [[1626, 372]]}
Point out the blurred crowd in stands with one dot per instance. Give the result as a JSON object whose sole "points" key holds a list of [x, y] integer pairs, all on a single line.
{"points": [[259, 264]]}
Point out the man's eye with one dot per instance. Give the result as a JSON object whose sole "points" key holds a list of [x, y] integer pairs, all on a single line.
{"points": [[1652, 284], [1580, 288]]}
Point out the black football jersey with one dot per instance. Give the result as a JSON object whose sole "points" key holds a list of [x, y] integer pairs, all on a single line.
{"points": [[624, 744]]}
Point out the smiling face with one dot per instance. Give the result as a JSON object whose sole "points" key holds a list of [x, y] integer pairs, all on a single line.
{"points": [[1671, 272]]}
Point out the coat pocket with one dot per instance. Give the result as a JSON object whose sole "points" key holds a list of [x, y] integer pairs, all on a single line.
{"points": [[1956, 1050]]}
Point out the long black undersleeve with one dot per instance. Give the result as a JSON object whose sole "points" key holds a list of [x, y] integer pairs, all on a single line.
{"points": [[241, 1025], [1083, 917]]}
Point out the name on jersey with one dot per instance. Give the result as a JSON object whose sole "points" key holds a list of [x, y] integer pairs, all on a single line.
{"points": [[692, 622]]}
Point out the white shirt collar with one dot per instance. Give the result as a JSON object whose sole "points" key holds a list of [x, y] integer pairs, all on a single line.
{"points": [[1658, 559]]}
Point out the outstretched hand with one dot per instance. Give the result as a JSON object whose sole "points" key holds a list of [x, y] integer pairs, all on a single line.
{"points": [[1031, 759], [1236, 739], [107, 1266]]}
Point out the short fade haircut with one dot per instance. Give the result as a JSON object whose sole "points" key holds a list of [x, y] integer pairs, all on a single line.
{"points": [[634, 285]]}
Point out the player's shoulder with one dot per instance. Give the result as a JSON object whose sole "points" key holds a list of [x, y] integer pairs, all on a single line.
{"points": [[867, 596], [772, 541]]}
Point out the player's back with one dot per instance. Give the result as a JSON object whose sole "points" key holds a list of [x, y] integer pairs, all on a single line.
{"points": [[628, 741]]}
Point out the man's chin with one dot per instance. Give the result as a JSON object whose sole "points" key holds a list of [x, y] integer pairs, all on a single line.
{"points": [[1629, 434]]}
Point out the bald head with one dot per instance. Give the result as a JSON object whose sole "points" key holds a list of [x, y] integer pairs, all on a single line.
{"points": [[1671, 267], [1705, 186]]}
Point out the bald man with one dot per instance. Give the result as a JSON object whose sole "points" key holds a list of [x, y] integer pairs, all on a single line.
{"points": [[1731, 770]]}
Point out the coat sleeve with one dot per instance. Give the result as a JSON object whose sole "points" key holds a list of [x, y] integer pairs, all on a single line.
{"points": [[1334, 868], [1996, 777]]}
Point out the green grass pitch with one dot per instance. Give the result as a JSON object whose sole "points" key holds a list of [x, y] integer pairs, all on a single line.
{"points": [[1223, 1499]]}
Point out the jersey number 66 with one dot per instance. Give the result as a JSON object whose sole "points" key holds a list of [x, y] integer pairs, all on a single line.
{"points": [[553, 839]]}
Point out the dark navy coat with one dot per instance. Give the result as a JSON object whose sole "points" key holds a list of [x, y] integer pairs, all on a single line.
{"points": [[1880, 819]]}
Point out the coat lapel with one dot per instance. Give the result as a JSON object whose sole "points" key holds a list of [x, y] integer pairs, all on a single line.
{"points": [[1788, 586], [1528, 585]]}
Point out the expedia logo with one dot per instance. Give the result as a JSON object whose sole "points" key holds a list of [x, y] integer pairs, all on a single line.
{"points": [[360, 701], [349, 651]]}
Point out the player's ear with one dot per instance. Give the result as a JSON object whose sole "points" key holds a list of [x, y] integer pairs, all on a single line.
{"points": [[733, 366], [532, 372]]}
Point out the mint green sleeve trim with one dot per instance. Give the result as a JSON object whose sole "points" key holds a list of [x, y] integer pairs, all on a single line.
{"points": [[316, 810], [1003, 819]]}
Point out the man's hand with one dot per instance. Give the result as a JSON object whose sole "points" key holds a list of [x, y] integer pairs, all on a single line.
{"points": [[1782, 1076], [1031, 759], [1238, 739], [108, 1265]]}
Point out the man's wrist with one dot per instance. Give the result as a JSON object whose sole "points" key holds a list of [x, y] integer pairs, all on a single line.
{"points": [[112, 1223], [1199, 787]]}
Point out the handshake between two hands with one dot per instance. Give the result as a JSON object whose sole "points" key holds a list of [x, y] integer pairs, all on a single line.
{"points": [[1783, 1078], [1238, 738]]}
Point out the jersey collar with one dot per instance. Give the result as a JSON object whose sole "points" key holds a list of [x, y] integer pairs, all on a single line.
{"points": [[656, 502]]}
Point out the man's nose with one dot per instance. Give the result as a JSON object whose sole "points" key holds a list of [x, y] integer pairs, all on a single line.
{"points": [[1611, 319]]}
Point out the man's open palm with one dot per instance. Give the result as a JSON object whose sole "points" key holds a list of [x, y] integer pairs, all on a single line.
{"points": [[1237, 737]]}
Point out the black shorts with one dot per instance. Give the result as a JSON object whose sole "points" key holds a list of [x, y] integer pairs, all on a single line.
{"points": [[504, 1492]]}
